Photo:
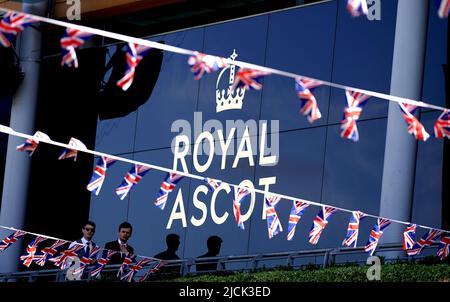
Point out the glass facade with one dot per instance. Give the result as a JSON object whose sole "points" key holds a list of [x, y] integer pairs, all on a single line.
{"points": [[321, 41]]}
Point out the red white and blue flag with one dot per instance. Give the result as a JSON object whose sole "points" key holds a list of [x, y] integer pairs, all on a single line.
{"points": [[425, 241], [126, 262], [31, 251], [357, 7], [100, 265], [135, 53], [201, 63], [72, 39], [167, 186], [408, 236], [99, 174], [308, 102], [72, 153], [444, 247], [160, 264], [11, 25], [414, 126], [297, 210], [133, 269], [61, 260], [442, 125], [31, 144], [273, 222], [239, 196], [86, 260], [131, 179], [8, 241], [376, 234], [352, 112], [319, 223], [443, 8], [41, 259], [249, 79], [351, 239], [213, 184]]}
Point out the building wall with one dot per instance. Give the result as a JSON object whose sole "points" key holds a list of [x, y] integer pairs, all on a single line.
{"points": [[321, 41]]}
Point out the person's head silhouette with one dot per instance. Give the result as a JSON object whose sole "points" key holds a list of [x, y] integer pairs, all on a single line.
{"points": [[214, 243], [172, 241]]}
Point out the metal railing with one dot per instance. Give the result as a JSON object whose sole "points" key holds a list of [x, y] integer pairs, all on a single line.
{"points": [[240, 263]]}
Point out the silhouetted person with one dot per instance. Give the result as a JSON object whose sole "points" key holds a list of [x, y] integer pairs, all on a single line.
{"points": [[213, 243], [173, 242]]}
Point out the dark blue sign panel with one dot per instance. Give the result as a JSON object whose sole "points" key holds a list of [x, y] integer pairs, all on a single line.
{"points": [[311, 161]]}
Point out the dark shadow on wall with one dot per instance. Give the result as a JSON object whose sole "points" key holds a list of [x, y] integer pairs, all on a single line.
{"points": [[70, 102]]}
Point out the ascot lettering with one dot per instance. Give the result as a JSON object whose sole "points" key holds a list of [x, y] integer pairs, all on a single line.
{"points": [[178, 212]]}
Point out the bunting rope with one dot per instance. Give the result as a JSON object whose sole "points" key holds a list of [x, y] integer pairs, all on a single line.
{"points": [[242, 64], [10, 131], [66, 241]]}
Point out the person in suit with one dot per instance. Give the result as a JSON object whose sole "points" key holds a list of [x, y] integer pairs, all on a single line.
{"points": [[121, 244], [88, 231], [214, 244]]}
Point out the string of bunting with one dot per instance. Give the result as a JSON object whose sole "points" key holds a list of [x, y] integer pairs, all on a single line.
{"points": [[249, 75], [271, 200], [60, 253]]}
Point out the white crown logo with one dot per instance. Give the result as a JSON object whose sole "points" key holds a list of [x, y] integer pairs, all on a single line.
{"points": [[228, 100]]}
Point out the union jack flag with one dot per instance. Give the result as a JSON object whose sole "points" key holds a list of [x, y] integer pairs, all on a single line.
{"points": [[131, 179], [444, 247], [31, 144], [73, 38], [442, 125], [425, 241], [376, 234], [133, 269], [248, 79], [273, 223], [87, 260], [100, 265], [408, 236], [61, 260], [443, 8], [308, 102], [213, 184], [351, 239], [135, 54], [160, 264], [239, 196], [319, 223], [167, 186], [12, 24], [126, 262], [72, 153], [31, 251], [352, 112], [201, 63], [297, 210], [99, 174], [357, 7], [414, 126], [48, 251], [8, 241]]}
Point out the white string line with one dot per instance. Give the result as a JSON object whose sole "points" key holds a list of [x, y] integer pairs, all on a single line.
{"points": [[66, 241], [188, 52], [10, 131]]}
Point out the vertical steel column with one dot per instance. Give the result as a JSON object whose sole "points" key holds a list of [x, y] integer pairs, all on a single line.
{"points": [[401, 148], [23, 112]]}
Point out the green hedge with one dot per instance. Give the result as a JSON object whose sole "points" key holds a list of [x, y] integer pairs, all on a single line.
{"points": [[400, 272]]}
